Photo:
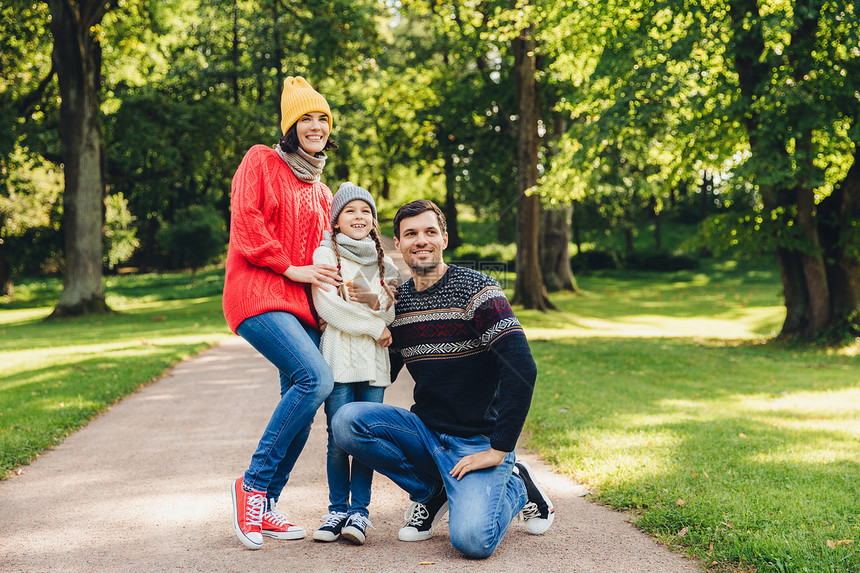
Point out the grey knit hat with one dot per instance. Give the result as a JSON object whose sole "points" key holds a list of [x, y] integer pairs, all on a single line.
{"points": [[349, 191]]}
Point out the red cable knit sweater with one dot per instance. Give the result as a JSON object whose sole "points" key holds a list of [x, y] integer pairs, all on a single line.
{"points": [[277, 222]]}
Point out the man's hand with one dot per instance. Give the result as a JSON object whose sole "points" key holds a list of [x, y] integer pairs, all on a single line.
{"points": [[488, 459], [358, 293]]}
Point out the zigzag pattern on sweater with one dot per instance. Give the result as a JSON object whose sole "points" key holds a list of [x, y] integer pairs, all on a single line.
{"points": [[459, 317]]}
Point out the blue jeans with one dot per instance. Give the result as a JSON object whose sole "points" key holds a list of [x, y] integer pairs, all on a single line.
{"points": [[396, 443], [306, 381], [342, 483]]}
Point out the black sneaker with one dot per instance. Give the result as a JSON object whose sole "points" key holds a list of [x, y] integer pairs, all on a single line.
{"points": [[539, 511], [331, 528], [354, 530], [422, 517]]}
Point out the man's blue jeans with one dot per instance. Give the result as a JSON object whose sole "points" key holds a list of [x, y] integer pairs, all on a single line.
{"points": [[306, 381], [342, 483], [396, 443]]}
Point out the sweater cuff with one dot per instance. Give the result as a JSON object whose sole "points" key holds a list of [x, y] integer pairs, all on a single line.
{"points": [[503, 443], [280, 264]]}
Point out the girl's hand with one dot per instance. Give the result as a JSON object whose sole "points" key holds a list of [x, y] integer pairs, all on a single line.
{"points": [[385, 339], [319, 275], [360, 294]]}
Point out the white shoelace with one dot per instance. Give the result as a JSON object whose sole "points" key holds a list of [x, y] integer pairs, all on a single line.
{"points": [[418, 513], [530, 511], [254, 509], [277, 518], [332, 519], [360, 520]]}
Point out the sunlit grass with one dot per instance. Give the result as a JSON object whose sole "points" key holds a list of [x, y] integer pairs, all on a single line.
{"points": [[57, 375], [741, 449]]}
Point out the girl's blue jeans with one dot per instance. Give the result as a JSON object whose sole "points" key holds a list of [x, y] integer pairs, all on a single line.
{"points": [[306, 381], [342, 482], [396, 443]]}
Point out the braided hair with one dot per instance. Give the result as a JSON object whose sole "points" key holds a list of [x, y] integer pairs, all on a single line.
{"points": [[380, 264]]}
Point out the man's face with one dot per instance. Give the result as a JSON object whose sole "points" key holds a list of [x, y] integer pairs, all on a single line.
{"points": [[421, 242]]}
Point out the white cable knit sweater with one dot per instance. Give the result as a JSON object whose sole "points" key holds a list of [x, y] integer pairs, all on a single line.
{"points": [[348, 342]]}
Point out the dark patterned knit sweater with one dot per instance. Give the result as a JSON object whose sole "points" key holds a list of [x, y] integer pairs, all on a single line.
{"points": [[473, 370]]}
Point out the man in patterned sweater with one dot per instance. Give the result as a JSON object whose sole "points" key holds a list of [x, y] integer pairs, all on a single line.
{"points": [[474, 377]]}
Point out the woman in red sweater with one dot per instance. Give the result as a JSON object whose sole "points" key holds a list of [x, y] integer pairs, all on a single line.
{"points": [[279, 212]]}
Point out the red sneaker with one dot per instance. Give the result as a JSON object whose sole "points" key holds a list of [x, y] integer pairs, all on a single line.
{"points": [[278, 525], [248, 507]]}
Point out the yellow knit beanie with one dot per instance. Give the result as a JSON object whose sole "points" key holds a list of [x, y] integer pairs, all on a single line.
{"points": [[299, 98]]}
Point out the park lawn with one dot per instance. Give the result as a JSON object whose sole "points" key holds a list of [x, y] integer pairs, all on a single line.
{"points": [[57, 375], [665, 398]]}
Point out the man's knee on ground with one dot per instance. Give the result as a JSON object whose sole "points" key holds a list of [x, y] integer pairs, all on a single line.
{"points": [[471, 542]]}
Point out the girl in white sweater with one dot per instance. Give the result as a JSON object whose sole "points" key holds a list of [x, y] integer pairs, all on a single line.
{"points": [[354, 345]]}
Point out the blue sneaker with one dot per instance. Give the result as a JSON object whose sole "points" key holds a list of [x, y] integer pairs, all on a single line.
{"points": [[355, 528], [331, 528]]}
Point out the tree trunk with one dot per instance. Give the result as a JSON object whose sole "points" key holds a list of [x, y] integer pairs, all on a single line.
{"points": [[840, 241], [576, 227], [555, 249], [450, 208], [529, 289], [6, 286], [658, 228], [278, 56], [77, 59], [234, 80], [629, 248]]}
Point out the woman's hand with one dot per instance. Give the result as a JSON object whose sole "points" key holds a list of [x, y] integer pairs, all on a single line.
{"points": [[319, 275], [385, 339], [486, 459]]}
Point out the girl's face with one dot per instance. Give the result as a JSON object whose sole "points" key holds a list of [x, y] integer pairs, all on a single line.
{"points": [[356, 220], [312, 130]]}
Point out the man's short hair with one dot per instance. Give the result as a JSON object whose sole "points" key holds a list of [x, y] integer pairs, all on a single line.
{"points": [[417, 207]]}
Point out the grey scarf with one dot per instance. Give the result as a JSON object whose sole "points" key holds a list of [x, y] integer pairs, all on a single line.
{"points": [[362, 252], [305, 166]]}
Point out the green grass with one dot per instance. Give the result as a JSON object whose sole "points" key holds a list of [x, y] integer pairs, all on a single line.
{"points": [[664, 396], [57, 375]]}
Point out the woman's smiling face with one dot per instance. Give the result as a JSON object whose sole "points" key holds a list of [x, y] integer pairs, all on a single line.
{"points": [[312, 130]]}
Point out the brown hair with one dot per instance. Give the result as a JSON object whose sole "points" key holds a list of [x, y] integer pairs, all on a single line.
{"points": [[417, 207]]}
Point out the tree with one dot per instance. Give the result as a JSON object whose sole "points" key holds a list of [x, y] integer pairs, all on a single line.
{"points": [[764, 94], [798, 100], [529, 289], [77, 59]]}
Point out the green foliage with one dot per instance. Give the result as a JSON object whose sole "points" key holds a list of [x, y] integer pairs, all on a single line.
{"points": [[595, 260], [492, 252], [195, 236], [661, 261], [120, 237]]}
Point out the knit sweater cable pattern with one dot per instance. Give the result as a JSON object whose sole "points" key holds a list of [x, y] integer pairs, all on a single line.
{"points": [[473, 369], [348, 342], [276, 222]]}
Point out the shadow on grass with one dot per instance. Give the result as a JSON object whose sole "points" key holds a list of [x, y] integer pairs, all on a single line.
{"points": [[750, 447]]}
